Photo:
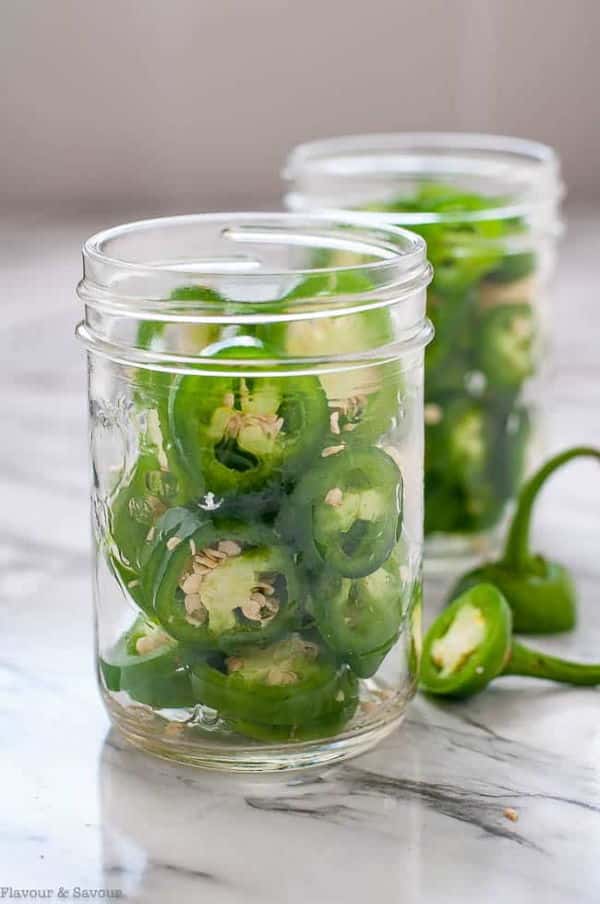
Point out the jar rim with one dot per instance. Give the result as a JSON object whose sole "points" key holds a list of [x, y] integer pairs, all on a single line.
{"points": [[529, 170], [397, 256]]}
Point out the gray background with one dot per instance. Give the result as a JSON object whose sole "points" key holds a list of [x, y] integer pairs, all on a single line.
{"points": [[167, 105]]}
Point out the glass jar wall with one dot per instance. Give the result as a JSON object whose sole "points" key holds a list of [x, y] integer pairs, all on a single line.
{"points": [[488, 209], [256, 400]]}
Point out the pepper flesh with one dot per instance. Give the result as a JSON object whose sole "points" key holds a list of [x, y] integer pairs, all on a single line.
{"points": [[146, 663], [345, 512], [240, 434], [292, 682], [224, 584], [360, 618]]}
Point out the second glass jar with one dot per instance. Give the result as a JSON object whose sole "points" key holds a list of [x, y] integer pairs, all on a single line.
{"points": [[488, 209]]}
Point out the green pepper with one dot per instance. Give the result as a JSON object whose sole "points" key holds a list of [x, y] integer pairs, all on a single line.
{"points": [[458, 440], [155, 485], [244, 434], [223, 584], [541, 593], [147, 664], [363, 402], [184, 338], [345, 513], [289, 684], [505, 349], [513, 267], [470, 643], [447, 357], [360, 618]]}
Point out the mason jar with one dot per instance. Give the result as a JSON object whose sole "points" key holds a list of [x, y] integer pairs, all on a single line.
{"points": [[488, 208], [256, 424]]}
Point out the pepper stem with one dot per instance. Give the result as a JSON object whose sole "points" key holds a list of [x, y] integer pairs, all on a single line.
{"points": [[516, 550], [524, 661]]}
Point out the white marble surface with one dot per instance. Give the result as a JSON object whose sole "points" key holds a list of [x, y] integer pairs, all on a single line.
{"points": [[418, 820]]}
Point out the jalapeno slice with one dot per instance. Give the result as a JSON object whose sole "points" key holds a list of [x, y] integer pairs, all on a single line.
{"points": [[225, 584], [147, 664], [292, 682], [345, 512], [505, 351], [363, 403], [468, 644], [360, 618], [151, 490], [240, 434]]}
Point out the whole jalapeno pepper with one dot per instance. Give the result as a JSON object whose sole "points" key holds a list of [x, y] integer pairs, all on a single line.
{"points": [[345, 513], [223, 584], [505, 350], [286, 685], [244, 434], [360, 618], [541, 593], [147, 664], [363, 403], [470, 643]]}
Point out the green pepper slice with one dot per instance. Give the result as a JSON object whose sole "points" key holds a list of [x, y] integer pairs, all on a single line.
{"points": [[470, 644], [363, 403], [514, 267], [541, 593], [152, 488], [505, 350], [292, 682], [146, 663], [345, 513], [225, 584], [240, 434], [360, 618]]}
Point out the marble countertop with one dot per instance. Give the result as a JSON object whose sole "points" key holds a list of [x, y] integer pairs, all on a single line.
{"points": [[420, 819]]}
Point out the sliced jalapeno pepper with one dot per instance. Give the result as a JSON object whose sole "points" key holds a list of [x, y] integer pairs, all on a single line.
{"points": [[225, 584], [289, 684], [240, 434], [458, 440], [513, 267], [359, 618], [308, 731], [147, 664], [505, 351], [541, 593], [184, 338], [471, 643], [345, 512], [363, 403], [447, 357], [152, 489]]}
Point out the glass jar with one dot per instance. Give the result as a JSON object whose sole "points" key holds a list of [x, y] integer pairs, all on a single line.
{"points": [[488, 208], [255, 388]]}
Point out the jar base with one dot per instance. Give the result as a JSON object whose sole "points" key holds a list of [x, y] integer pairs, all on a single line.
{"points": [[153, 734]]}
